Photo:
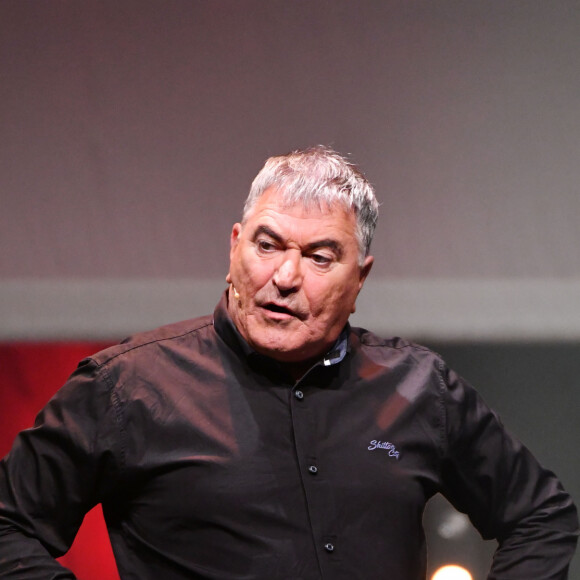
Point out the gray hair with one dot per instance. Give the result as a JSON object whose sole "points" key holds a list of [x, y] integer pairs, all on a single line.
{"points": [[320, 176]]}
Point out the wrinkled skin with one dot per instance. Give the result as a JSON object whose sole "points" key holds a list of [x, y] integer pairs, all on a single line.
{"points": [[295, 276]]}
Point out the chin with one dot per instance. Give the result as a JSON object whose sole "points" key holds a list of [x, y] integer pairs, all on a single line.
{"points": [[278, 349], [288, 353], [279, 352]]}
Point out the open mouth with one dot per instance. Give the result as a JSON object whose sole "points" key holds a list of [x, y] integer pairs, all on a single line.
{"points": [[279, 309]]}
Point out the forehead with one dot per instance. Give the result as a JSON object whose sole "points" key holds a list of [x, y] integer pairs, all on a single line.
{"points": [[273, 207]]}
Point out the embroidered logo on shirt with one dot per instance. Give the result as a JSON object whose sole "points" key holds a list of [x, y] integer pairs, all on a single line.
{"points": [[386, 445]]}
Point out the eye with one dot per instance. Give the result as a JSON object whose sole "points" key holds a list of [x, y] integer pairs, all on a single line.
{"points": [[321, 259], [265, 246]]}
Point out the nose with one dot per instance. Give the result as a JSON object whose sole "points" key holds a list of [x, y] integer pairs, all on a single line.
{"points": [[288, 276]]}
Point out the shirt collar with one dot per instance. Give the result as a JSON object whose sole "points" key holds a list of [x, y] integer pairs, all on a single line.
{"points": [[339, 350]]}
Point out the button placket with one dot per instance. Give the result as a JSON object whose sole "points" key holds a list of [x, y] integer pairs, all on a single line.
{"points": [[305, 425], [329, 545]]}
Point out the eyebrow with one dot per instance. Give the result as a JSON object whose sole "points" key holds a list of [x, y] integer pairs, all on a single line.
{"points": [[269, 232], [333, 245]]}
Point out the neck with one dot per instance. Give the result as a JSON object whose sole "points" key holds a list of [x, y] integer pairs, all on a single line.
{"points": [[298, 369]]}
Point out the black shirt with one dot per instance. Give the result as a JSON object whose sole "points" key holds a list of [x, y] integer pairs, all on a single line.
{"points": [[212, 463]]}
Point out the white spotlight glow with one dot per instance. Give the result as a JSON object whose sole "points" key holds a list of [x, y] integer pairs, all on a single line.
{"points": [[452, 573]]}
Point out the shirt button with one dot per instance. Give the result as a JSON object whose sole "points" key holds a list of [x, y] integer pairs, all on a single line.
{"points": [[329, 547], [299, 395], [313, 469]]}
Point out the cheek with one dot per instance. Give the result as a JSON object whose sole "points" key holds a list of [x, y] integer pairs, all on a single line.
{"points": [[332, 299], [324, 298], [251, 274]]}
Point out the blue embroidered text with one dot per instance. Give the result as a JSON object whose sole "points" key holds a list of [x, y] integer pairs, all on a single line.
{"points": [[384, 445]]}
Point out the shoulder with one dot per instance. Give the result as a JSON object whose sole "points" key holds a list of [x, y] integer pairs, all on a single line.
{"points": [[143, 345], [393, 348]]}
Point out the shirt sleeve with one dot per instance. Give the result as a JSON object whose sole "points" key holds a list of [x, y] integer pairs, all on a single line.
{"points": [[54, 474], [489, 475]]}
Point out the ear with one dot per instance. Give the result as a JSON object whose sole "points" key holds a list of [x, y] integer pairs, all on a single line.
{"points": [[365, 271], [235, 237], [234, 241]]}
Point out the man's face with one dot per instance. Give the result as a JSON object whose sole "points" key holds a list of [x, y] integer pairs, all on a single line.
{"points": [[297, 274]]}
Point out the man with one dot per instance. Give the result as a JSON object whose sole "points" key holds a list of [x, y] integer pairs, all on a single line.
{"points": [[272, 440]]}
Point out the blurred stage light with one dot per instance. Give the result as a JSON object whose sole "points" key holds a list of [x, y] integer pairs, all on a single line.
{"points": [[453, 525], [452, 572]]}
